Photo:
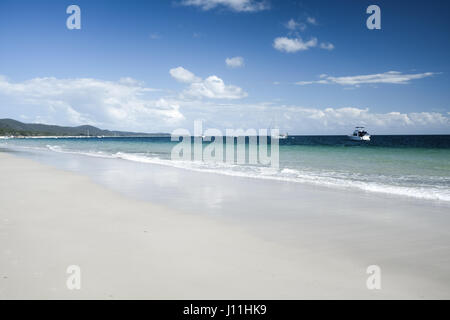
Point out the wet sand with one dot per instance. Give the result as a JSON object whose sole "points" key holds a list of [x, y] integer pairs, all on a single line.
{"points": [[265, 240]]}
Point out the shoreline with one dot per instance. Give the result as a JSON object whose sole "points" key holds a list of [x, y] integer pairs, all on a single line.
{"points": [[289, 175], [133, 249]]}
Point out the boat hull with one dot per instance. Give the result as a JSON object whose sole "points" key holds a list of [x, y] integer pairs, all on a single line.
{"points": [[358, 138]]}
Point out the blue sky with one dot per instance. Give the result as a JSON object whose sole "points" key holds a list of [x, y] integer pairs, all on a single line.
{"points": [[307, 67]]}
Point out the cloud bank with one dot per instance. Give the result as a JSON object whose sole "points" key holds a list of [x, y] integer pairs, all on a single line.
{"points": [[128, 104], [306, 120], [123, 104]]}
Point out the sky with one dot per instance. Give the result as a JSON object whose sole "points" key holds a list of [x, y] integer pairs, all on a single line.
{"points": [[305, 67]]}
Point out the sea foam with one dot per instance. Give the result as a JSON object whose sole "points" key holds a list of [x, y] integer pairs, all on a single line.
{"points": [[331, 179]]}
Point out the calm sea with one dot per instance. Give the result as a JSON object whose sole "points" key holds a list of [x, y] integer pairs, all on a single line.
{"points": [[413, 166]]}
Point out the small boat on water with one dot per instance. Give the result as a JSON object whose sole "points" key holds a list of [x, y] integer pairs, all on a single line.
{"points": [[360, 134], [283, 136]]}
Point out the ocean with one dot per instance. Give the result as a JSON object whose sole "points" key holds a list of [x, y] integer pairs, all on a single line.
{"points": [[415, 166]]}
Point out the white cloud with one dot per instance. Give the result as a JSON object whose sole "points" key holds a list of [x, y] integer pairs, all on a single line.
{"points": [[291, 45], [388, 122], [294, 25], [304, 120], [235, 62], [294, 42], [119, 104], [183, 75], [291, 24], [127, 104], [391, 77], [311, 20], [155, 36], [327, 46], [235, 5], [212, 87], [131, 81]]}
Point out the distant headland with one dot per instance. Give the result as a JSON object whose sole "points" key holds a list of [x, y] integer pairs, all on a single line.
{"points": [[11, 127]]}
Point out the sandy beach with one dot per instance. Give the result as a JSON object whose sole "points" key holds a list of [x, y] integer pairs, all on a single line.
{"points": [[133, 249], [224, 150]]}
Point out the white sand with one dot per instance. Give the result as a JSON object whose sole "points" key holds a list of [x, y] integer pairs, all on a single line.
{"points": [[50, 219]]}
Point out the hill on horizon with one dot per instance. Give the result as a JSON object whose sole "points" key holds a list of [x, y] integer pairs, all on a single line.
{"points": [[17, 128]]}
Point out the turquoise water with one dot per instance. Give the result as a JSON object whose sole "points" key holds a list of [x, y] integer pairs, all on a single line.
{"points": [[412, 166]]}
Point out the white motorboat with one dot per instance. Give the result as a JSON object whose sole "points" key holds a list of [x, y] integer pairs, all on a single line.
{"points": [[360, 134]]}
